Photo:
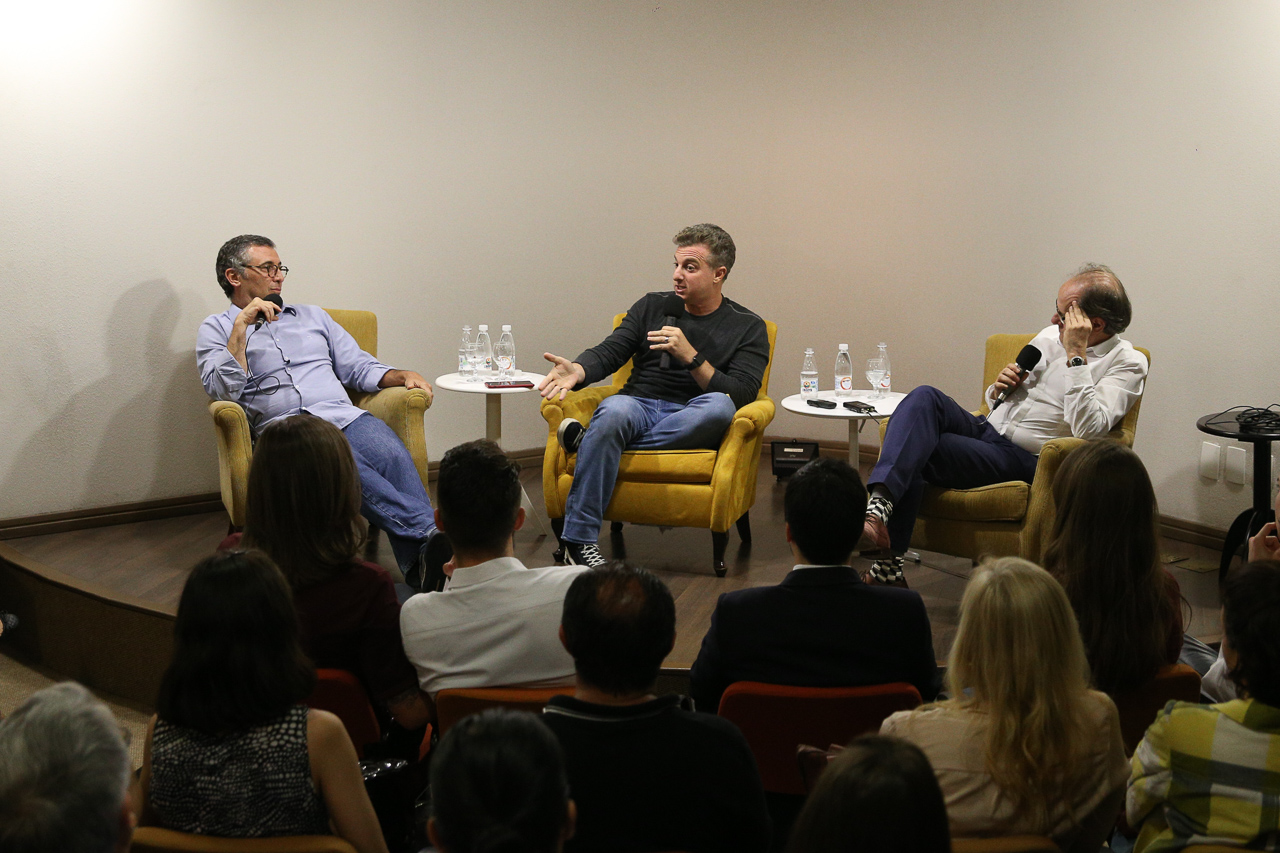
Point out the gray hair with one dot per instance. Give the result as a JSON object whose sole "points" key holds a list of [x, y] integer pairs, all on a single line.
{"points": [[64, 772], [234, 253], [1104, 297], [715, 238]]}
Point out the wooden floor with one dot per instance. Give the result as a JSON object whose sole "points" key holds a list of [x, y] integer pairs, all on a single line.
{"points": [[150, 561]]}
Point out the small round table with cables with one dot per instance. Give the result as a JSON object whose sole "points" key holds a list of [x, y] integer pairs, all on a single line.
{"points": [[1258, 427]]}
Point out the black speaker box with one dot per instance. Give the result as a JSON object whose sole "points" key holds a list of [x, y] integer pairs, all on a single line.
{"points": [[790, 455]]}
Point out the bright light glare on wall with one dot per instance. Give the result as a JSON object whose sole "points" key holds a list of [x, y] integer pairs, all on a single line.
{"points": [[39, 34]]}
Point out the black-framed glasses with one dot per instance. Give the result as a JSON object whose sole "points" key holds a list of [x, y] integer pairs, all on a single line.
{"points": [[269, 269]]}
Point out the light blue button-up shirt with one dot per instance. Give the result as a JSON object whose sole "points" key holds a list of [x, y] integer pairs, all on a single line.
{"points": [[302, 362]]}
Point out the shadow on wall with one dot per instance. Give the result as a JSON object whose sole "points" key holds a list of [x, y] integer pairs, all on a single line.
{"points": [[138, 431]]}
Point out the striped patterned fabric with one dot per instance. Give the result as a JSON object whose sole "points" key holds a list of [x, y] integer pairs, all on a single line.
{"points": [[1208, 774]]}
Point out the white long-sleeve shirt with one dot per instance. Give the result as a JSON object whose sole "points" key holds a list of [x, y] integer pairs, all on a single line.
{"points": [[1056, 401]]}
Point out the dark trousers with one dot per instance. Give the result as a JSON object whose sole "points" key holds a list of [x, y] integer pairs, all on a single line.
{"points": [[931, 439]]}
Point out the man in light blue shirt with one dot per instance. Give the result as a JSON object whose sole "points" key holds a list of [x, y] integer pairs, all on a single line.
{"points": [[277, 362]]}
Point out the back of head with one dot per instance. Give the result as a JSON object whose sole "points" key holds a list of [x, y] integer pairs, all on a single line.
{"points": [[1251, 622], [236, 658], [1018, 651], [498, 785], [233, 254], [478, 494], [619, 624], [824, 505], [879, 795], [64, 771], [303, 506], [715, 238], [1105, 551], [1104, 297]]}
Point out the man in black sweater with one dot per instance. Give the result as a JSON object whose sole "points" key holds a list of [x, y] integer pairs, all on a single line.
{"points": [[716, 352], [646, 772]]}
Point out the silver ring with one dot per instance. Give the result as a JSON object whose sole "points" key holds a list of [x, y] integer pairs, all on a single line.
{"points": [[666, 340]]}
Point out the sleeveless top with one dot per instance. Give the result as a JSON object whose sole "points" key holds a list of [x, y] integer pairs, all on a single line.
{"points": [[249, 784]]}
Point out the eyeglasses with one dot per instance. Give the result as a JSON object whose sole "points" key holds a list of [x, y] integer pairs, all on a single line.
{"points": [[269, 270]]}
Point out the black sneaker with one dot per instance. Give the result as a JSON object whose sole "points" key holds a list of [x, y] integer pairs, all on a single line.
{"points": [[579, 554], [569, 434], [431, 560]]}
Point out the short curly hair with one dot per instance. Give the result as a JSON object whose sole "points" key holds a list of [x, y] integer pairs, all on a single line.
{"points": [[1251, 621], [234, 253], [715, 238]]}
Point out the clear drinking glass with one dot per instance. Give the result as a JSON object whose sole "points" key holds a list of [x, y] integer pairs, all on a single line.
{"points": [[875, 372], [475, 357]]}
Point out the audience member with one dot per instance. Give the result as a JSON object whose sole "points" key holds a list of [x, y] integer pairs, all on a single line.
{"points": [[822, 626], [646, 771], [495, 622], [8, 621], [879, 795], [1211, 773], [232, 751], [1024, 747], [1105, 551], [498, 784], [303, 511], [64, 776]]}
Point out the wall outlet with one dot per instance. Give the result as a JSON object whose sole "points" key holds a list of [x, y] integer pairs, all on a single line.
{"points": [[1211, 460], [1236, 465]]}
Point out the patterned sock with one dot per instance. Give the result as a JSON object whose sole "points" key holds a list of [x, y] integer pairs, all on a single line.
{"points": [[881, 507], [888, 571]]}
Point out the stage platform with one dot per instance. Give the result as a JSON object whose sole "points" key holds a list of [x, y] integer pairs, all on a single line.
{"points": [[97, 605]]}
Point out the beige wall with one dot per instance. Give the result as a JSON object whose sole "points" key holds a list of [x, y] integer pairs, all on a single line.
{"points": [[919, 173]]}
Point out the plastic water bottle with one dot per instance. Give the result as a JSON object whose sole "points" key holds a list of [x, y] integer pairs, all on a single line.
{"points": [[464, 363], [844, 372], [504, 354], [485, 367], [808, 376], [885, 383]]}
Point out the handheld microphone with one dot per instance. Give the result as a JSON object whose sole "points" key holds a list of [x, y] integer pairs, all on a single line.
{"points": [[1027, 359], [274, 299], [672, 307]]}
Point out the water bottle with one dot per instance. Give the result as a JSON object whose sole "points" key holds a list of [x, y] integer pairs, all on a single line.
{"points": [[844, 372], [484, 368], [885, 384], [808, 376], [504, 354], [464, 363]]}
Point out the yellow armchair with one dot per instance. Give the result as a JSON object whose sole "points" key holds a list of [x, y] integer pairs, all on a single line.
{"points": [[673, 488], [400, 408], [1003, 519]]}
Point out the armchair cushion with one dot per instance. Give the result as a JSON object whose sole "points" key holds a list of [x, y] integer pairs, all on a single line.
{"points": [[1001, 502], [663, 466]]}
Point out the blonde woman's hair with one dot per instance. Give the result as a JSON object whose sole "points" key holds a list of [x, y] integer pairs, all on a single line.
{"points": [[1018, 658]]}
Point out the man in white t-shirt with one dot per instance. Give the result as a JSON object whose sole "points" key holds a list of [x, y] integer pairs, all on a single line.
{"points": [[496, 623], [1085, 382]]}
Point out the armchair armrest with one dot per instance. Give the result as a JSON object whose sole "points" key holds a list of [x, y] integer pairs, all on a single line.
{"points": [[733, 468], [235, 454], [1038, 524], [402, 409]]}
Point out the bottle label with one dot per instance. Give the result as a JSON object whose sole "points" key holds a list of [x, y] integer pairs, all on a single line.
{"points": [[504, 362], [884, 383], [809, 385], [463, 364], [844, 383]]}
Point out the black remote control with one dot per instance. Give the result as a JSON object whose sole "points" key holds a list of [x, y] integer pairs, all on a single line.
{"points": [[821, 404]]}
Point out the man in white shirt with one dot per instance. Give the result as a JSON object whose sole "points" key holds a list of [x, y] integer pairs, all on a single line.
{"points": [[496, 623], [1085, 382]]}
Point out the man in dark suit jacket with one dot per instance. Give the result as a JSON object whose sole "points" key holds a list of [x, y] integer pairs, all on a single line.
{"points": [[822, 626]]}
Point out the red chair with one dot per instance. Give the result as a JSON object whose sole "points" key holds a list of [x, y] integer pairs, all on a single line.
{"points": [[455, 703], [776, 719], [341, 693], [1139, 707], [1005, 844]]}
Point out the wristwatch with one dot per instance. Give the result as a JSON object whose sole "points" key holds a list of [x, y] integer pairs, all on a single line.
{"points": [[1075, 361], [696, 362]]}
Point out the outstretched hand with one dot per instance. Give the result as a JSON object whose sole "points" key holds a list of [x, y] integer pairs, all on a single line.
{"points": [[562, 378]]}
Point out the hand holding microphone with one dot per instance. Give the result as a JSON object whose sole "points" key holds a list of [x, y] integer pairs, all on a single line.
{"points": [[274, 299], [672, 307], [1011, 377]]}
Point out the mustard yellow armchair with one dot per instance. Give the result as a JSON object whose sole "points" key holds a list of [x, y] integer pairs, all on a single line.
{"points": [[400, 408], [1004, 519], [673, 488]]}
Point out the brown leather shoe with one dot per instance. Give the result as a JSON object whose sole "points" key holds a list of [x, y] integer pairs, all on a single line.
{"points": [[874, 531]]}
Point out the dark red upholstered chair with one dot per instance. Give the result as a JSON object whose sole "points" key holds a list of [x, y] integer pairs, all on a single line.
{"points": [[339, 692], [454, 704], [776, 719], [1138, 707]]}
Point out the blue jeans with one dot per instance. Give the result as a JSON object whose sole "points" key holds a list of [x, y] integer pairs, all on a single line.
{"points": [[931, 439], [394, 498], [622, 423]]}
